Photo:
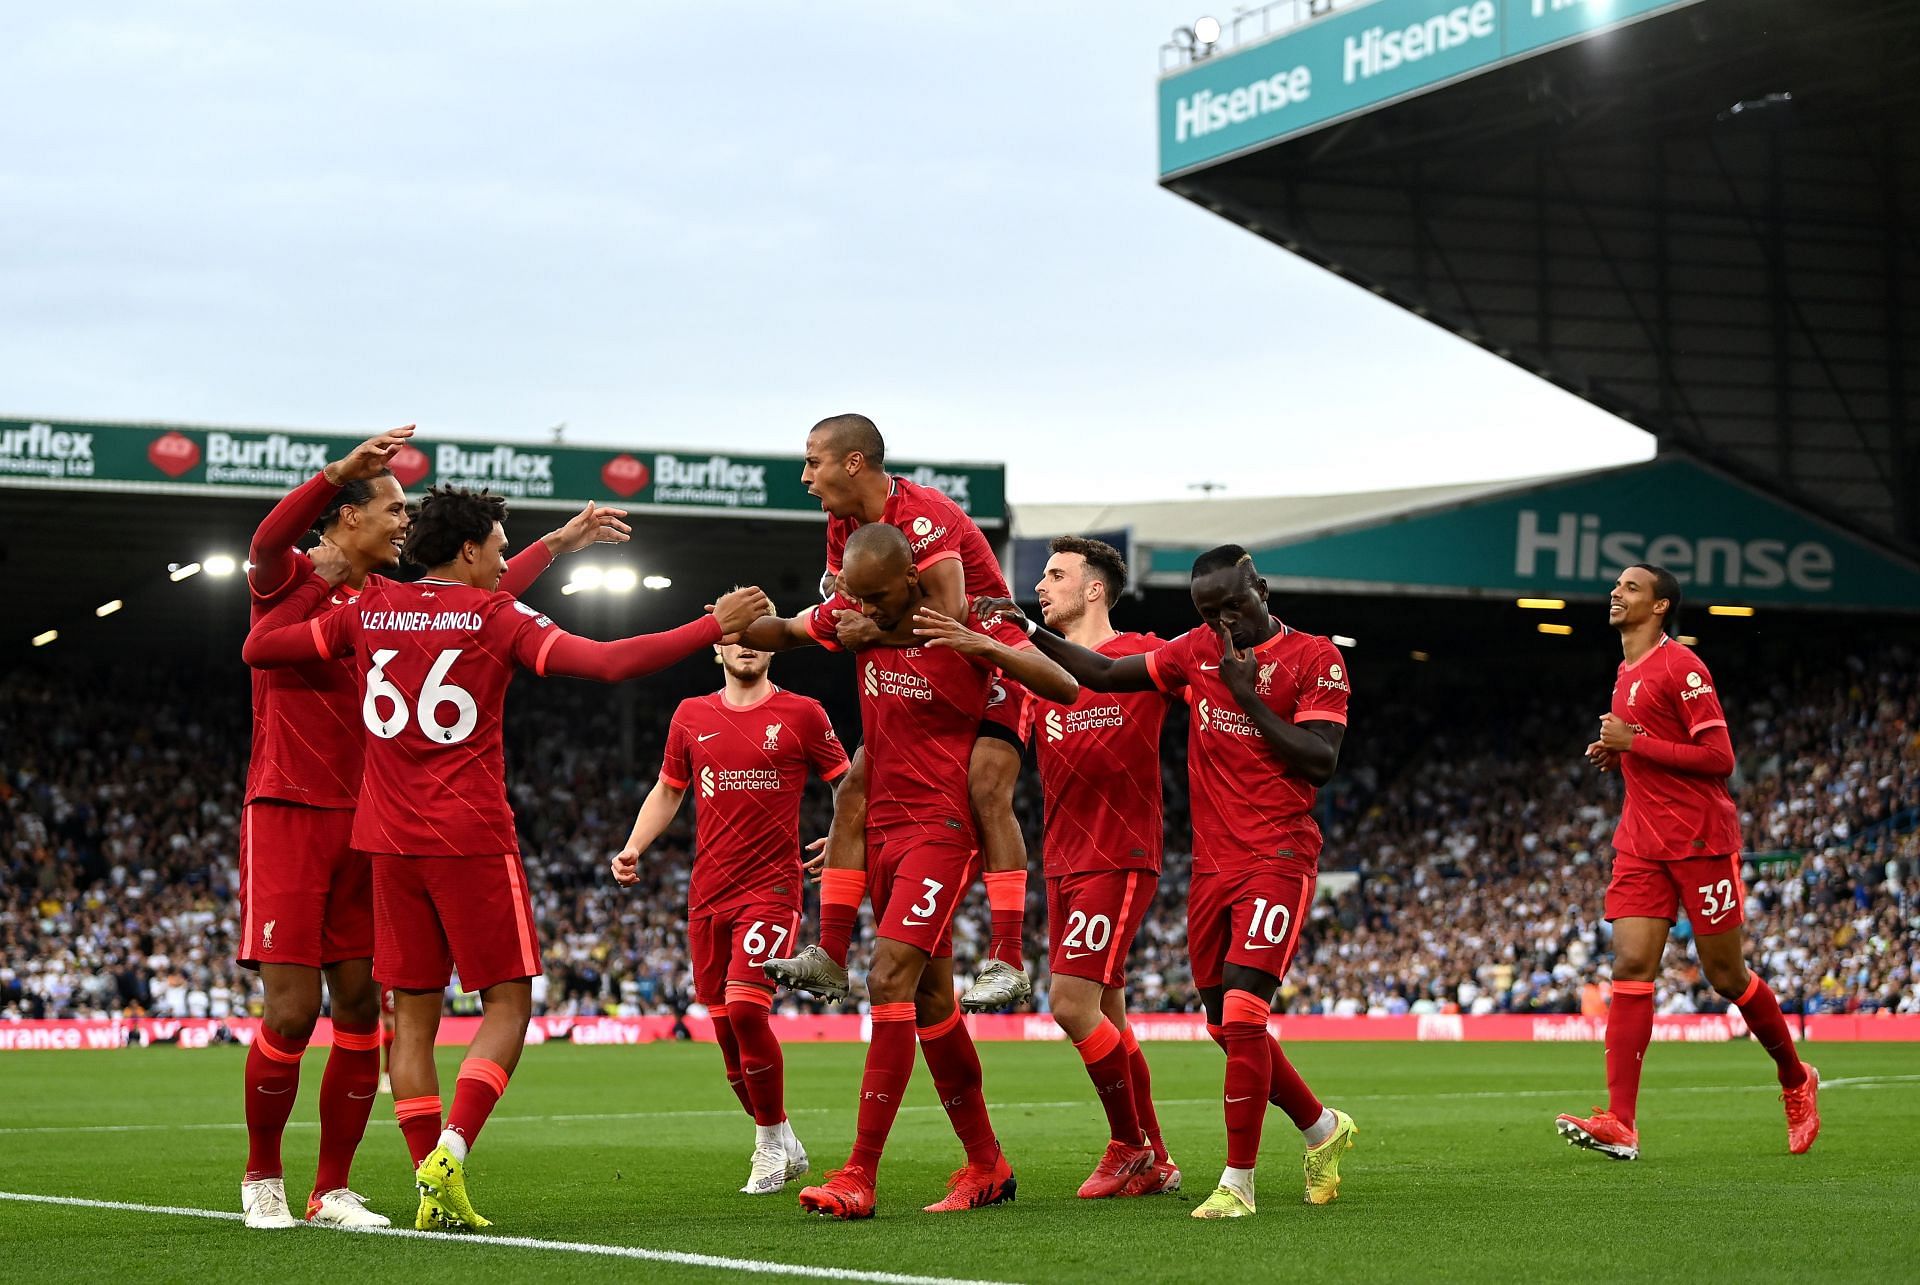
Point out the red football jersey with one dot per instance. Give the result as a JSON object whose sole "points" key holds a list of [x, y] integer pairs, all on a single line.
{"points": [[939, 530], [435, 658], [1248, 806], [1668, 694], [1100, 774], [920, 711], [747, 765]]}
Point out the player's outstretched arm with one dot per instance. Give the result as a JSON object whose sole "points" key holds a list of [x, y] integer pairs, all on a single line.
{"points": [[272, 550], [778, 633], [1025, 665], [1087, 667], [596, 524], [571, 656], [656, 814]]}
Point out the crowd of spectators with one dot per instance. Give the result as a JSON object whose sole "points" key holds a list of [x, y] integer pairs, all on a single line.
{"points": [[1467, 849]]}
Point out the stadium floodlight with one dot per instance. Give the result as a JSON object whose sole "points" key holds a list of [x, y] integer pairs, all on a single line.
{"points": [[588, 577], [1687, 640], [106, 609], [220, 564], [1725, 609], [1341, 640], [1541, 604], [621, 580], [1207, 30], [1421, 656], [177, 573], [657, 582], [1558, 631], [41, 640], [569, 589]]}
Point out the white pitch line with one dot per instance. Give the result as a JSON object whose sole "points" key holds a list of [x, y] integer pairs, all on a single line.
{"points": [[1465, 1095], [754, 1266]]}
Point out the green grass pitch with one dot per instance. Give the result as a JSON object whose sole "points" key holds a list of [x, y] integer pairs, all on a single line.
{"points": [[1457, 1175]]}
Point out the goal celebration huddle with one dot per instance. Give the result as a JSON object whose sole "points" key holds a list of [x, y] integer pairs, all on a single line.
{"points": [[380, 853]]}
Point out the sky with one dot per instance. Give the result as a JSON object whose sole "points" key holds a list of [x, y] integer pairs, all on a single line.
{"points": [[675, 224]]}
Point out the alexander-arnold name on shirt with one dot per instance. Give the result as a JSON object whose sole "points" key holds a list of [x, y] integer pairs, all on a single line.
{"points": [[420, 621]]}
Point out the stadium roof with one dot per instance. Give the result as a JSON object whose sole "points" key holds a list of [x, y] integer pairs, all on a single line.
{"points": [[1699, 215]]}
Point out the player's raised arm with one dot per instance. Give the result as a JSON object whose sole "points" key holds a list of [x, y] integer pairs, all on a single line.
{"points": [[1088, 668], [1311, 748], [595, 524], [1022, 664], [271, 554]]}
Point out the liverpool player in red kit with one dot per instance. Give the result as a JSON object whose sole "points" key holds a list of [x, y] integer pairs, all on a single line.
{"points": [[434, 659], [1100, 787], [1677, 847], [846, 470], [1268, 711], [306, 894], [749, 746], [920, 710]]}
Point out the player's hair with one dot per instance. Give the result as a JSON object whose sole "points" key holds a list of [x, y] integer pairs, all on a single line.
{"points": [[357, 493], [448, 517], [1102, 559], [1664, 586], [1227, 555], [879, 540], [849, 433]]}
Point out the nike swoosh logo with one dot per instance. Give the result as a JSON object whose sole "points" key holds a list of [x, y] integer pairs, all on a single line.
{"points": [[1232, 1099], [914, 923], [1717, 918], [1208, 669], [758, 1070], [360, 1097], [709, 736], [1250, 946], [1081, 954], [261, 1088]]}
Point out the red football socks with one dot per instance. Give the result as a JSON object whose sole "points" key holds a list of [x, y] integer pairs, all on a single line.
{"points": [[884, 1083], [1007, 900], [730, 1054], [346, 1100], [1141, 1078], [1285, 1088], [1107, 1066], [420, 1124], [955, 1067], [1629, 1029], [273, 1082], [479, 1086], [1249, 1075], [840, 894], [749, 1009], [1761, 1008]]}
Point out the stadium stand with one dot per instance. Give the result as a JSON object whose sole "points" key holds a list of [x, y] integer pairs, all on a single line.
{"points": [[1478, 838]]}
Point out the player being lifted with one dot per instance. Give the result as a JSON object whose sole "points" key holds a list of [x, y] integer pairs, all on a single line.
{"points": [[1677, 846], [1100, 787], [920, 711], [846, 470], [749, 745], [1268, 710], [434, 659], [306, 893]]}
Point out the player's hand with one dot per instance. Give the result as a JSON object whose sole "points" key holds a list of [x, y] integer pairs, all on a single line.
{"points": [[945, 631], [1602, 758], [736, 610], [1616, 734], [1238, 669], [626, 868], [330, 563], [596, 524], [816, 860], [367, 459], [854, 631], [989, 610]]}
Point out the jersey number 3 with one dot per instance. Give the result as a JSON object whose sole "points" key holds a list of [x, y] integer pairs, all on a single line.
{"points": [[435, 694]]}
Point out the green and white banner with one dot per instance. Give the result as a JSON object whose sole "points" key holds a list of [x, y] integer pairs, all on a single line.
{"points": [[1359, 58], [1571, 538], [239, 461]]}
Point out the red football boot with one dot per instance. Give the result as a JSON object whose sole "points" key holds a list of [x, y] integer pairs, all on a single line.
{"points": [[1117, 1169], [1803, 1111], [1603, 1133], [977, 1186], [847, 1193], [1159, 1178]]}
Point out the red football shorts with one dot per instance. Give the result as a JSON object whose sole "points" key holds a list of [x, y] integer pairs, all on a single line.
{"points": [[1009, 715], [306, 896], [916, 881], [1708, 888], [731, 945], [1092, 919], [433, 915], [1248, 917]]}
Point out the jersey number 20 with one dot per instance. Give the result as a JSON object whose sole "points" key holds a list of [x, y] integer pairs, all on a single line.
{"points": [[435, 693]]}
